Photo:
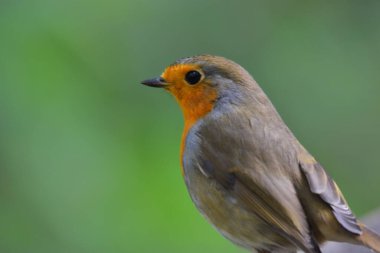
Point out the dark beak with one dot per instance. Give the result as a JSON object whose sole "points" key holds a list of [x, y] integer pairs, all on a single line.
{"points": [[157, 82]]}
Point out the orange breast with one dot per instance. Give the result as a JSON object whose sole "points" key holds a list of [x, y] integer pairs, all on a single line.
{"points": [[195, 100]]}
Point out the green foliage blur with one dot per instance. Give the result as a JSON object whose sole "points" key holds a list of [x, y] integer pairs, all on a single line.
{"points": [[89, 158]]}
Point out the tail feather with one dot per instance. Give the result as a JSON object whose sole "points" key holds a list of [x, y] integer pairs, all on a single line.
{"points": [[370, 239]]}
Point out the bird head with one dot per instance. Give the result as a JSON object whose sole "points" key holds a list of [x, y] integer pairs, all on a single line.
{"points": [[199, 83]]}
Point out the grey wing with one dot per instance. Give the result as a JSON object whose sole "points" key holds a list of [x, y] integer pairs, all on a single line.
{"points": [[259, 201], [244, 166], [321, 184]]}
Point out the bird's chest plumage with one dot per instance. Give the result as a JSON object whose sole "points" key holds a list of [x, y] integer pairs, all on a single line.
{"points": [[223, 210], [218, 204]]}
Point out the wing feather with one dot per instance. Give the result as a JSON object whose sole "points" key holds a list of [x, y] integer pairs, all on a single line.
{"points": [[321, 183], [259, 201]]}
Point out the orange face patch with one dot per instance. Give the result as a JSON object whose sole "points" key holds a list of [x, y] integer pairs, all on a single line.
{"points": [[195, 100]]}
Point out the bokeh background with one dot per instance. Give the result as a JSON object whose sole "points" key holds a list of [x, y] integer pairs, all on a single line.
{"points": [[89, 158]]}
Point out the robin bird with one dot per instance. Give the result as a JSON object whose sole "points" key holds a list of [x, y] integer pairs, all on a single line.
{"points": [[244, 169]]}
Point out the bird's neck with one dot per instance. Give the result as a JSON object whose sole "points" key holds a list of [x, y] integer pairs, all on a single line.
{"points": [[193, 110]]}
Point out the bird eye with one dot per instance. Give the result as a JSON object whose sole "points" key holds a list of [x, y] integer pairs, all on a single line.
{"points": [[193, 77]]}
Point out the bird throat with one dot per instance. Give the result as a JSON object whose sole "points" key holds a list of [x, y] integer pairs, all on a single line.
{"points": [[195, 104], [195, 100]]}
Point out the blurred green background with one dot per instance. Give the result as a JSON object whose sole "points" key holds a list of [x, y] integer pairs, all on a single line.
{"points": [[89, 158]]}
